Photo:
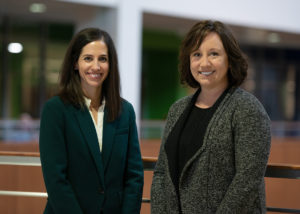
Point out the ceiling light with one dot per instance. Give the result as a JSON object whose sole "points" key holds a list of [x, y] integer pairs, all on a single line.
{"points": [[37, 8], [15, 47]]}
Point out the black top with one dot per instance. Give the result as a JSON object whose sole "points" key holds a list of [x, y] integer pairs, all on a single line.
{"points": [[192, 133]]}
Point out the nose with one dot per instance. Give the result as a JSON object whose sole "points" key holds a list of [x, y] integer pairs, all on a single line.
{"points": [[96, 65], [204, 61]]}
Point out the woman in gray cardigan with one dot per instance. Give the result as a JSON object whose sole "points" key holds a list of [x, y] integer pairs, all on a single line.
{"points": [[216, 142]]}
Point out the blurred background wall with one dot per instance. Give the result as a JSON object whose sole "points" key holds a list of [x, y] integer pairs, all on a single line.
{"points": [[34, 36]]}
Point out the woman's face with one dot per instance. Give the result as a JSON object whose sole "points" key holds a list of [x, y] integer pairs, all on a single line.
{"points": [[93, 65], [209, 63]]}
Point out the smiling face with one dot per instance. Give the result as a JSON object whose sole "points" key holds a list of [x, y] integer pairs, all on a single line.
{"points": [[209, 63], [93, 66]]}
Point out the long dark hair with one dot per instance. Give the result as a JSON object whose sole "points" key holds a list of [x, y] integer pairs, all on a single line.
{"points": [[70, 85], [237, 63]]}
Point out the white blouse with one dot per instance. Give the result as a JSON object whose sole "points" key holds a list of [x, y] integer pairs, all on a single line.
{"points": [[100, 116]]}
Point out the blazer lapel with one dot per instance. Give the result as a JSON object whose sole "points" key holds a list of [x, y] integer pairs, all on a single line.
{"points": [[109, 129], [88, 129]]}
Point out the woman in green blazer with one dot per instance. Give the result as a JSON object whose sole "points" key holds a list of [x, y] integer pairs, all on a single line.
{"points": [[89, 146]]}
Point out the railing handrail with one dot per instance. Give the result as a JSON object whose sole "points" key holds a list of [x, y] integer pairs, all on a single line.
{"points": [[152, 160], [284, 166], [15, 153]]}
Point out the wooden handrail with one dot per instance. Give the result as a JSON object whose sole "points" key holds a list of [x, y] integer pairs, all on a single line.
{"points": [[149, 159], [26, 154], [152, 160], [284, 166]]}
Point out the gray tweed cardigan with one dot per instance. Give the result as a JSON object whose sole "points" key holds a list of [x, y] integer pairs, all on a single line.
{"points": [[226, 175]]}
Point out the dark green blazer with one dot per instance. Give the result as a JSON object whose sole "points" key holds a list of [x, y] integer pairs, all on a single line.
{"points": [[78, 177]]}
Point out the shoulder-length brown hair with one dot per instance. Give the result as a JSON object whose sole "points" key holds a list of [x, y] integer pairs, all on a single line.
{"points": [[237, 63], [70, 85]]}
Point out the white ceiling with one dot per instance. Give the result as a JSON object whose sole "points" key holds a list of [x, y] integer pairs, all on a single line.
{"points": [[72, 12]]}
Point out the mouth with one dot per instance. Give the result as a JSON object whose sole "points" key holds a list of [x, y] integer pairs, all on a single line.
{"points": [[95, 75], [206, 73]]}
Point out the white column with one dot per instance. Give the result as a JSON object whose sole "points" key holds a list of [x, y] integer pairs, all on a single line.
{"points": [[129, 40], [103, 18]]}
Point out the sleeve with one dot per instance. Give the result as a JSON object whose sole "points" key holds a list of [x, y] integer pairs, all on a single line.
{"points": [[252, 139], [53, 154], [158, 200], [134, 172]]}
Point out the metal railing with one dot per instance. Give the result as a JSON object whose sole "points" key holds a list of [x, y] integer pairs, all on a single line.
{"points": [[27, 129], [32, 159]]}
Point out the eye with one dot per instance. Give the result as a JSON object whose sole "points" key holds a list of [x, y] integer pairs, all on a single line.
{"points": [[214, 53], [103, 59], [196, 54], [87, 58]]}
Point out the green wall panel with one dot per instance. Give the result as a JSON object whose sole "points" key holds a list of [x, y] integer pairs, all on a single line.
{"points": [[160, 77]]}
